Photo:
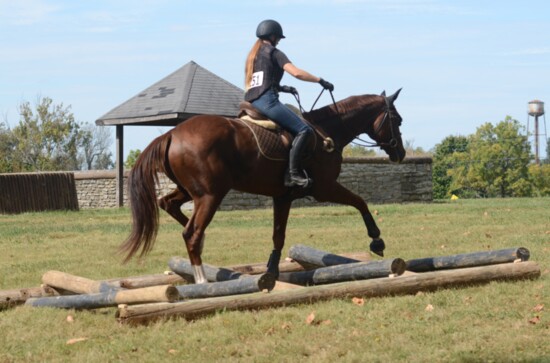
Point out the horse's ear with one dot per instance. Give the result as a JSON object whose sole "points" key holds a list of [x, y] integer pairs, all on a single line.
{"points": [[383, 93], [395, 95]]}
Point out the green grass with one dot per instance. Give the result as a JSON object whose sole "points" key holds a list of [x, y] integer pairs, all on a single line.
{"points": [[483, 323]]}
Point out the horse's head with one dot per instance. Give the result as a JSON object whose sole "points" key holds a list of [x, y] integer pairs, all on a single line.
{"points": [[385, 129]]}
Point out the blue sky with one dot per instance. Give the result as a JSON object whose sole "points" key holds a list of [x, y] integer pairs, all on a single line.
{"points": [[460, 63]]}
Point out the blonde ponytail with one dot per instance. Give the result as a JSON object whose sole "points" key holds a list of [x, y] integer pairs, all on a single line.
{"points": [[249, 65]]}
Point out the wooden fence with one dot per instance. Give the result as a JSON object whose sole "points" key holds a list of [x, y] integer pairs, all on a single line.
{"points": [[32, 192]]}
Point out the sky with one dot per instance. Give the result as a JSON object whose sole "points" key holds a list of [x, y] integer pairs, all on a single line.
{"points": [[460, 63]]}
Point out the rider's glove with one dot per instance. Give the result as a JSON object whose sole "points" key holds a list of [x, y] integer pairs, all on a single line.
{"points": [[288, 89], [326, 85]]}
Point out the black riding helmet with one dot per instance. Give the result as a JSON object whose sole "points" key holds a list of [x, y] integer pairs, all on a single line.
{"points": [[268, 28]]}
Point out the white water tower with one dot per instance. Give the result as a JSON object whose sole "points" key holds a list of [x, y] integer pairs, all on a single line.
{"points": [[536, 109]]}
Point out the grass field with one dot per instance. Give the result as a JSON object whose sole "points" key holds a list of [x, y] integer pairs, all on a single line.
{"points": [[498, 322]]}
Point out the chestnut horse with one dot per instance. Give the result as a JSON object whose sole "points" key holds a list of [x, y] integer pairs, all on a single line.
{"points": [[207, 156]]}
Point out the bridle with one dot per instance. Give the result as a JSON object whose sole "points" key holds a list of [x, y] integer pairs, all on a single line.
{"points": [[393, 143]]}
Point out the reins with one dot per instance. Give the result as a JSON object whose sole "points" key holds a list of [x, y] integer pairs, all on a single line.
{"points": [[365, 143]]}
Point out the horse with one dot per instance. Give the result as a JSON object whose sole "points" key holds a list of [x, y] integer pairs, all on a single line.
{"points": [[208, 155]]}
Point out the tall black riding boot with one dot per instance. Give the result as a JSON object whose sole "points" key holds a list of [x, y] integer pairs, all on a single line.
{"points": [[297, 176]]}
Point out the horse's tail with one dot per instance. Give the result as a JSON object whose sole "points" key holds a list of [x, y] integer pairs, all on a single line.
{"points": [[142, 196]]}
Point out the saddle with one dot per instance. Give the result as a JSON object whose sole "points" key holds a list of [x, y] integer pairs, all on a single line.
{"points": [[273, 141]]}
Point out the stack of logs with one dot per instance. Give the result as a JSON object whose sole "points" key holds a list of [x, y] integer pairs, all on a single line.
{"points": [[308, 275]]}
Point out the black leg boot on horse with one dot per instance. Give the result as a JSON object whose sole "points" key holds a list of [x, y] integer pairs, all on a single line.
{"points": [[297, 177]]}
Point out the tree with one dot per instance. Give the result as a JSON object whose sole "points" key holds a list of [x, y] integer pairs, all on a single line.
{"points": [[540, 177], [495, 164], [46, 138], [131, 159], [96, 141], [443, 161], [7, 144]]}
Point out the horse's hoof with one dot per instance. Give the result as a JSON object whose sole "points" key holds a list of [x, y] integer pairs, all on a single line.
{"points": [[377, 246]]}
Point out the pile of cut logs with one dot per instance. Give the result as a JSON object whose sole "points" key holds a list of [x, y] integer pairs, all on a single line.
{"points": [[308, 275]]}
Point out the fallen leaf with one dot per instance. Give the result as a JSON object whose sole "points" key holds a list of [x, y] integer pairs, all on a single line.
{"points": [[172, 351], [538, 307], [310, 318], [359, 301], [429, 307], [75, 340], [535, 320]]}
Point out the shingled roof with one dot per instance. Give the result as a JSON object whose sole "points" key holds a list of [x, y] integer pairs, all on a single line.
{"points": [[189, 91]]}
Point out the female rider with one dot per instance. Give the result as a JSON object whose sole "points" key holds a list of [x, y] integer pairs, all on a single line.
{"points": [[264, 69]]}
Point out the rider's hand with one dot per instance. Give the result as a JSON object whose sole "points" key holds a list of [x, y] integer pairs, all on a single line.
{"points": [[288, 89], [326, 85]]}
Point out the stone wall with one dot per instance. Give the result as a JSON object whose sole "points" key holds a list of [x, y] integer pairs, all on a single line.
{"points": [[375, 179]]}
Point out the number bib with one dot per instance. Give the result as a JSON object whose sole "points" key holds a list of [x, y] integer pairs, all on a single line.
{"points": [[257, 79]]}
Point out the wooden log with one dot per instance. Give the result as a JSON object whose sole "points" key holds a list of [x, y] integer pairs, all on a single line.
{"points": [[183, 267], [244, 285], [76, 284], [136, 282], [171, 278], [366, 288], [311, 257], [346, 272], [14, 297], [291, 266], [166, 293], [468, 259]]}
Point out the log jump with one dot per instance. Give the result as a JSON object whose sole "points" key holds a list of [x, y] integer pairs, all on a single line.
{"points": [[312, 275], [411, 284]]}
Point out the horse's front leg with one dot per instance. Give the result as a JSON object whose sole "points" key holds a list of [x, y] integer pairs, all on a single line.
{"points": [[281, 209], [339, 194]]}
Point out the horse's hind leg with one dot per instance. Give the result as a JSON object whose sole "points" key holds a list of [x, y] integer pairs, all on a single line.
{"points": [[205, 208], [172, 203]]}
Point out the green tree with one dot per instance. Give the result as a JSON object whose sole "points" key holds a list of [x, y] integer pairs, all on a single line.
{"points": [[131, 159], [7, 144], [540, 177], [495, 164], [47, 138], [443, 161]]}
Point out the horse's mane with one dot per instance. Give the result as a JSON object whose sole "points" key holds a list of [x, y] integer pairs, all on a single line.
{"points": [[347, 108]]}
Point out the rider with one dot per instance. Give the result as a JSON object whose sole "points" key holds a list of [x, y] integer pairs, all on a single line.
{"points": [[264, 69]]}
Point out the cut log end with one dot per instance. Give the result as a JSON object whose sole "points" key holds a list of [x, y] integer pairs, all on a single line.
{"points": [[398, 266], [523, 254]]}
